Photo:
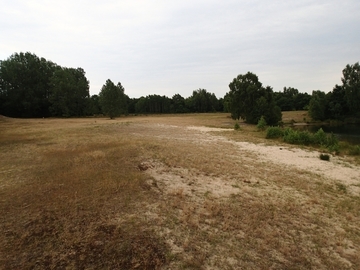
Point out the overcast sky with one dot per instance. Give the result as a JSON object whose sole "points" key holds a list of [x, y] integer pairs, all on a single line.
{"points": [[169, 47]]}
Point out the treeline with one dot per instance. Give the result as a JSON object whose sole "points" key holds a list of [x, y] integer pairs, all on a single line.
{"points": [[201, 101], [35, 87], [340, 103], [31, 86]]}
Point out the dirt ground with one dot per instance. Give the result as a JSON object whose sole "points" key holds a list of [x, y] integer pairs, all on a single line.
{"points": [[218, 171], [216, 198]]}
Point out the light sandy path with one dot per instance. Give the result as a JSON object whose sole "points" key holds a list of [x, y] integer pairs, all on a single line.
{"points": [[336, 169]]}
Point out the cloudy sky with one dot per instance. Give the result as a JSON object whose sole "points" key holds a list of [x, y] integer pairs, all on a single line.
{"points": [[167, 47]]}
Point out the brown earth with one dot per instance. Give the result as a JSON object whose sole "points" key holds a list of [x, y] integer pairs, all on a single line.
{"points": [[205, 197]]}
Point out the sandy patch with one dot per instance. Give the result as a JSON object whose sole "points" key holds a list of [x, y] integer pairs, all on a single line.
{"points": [[336, 169]]}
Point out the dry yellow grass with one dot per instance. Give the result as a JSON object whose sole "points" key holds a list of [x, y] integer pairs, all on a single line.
{"points": [[151, 193]]}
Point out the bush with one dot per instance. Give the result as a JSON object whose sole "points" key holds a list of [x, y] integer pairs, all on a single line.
{"points": [[331, 140], [334, 148], [291, 136], [274, 132], [354, 150], [305, 137], [261, 125], [320, 137], [325, 157], [236, 126]]}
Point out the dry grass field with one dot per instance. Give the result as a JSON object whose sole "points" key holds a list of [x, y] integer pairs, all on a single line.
{"points": [[171, 192]]}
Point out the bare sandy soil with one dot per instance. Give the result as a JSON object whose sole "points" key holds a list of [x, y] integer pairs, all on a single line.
{"points": [[335, 170], [279, 174]]}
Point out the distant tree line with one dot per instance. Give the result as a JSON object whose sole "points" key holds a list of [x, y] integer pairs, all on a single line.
{"points": [[35, 87], [340, 103]]}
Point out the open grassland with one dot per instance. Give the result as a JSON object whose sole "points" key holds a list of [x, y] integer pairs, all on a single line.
{"points": [[171, 192]]}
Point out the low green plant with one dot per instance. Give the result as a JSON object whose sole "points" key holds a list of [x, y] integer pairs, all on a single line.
{"points": [[261, 125], [274, 132], [320, 137], [335, 148], [291, 136], [305, 137], [354, 150], [236, 126]]}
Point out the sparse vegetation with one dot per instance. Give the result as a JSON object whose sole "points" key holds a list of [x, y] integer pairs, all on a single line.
{"points": [[142, 193]]}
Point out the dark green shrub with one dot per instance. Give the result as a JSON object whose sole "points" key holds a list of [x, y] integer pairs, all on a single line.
{"points": [[325, 157], [236, 126], [274, 132]]}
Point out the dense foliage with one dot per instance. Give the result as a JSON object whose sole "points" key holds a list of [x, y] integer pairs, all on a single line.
{"points": [[113, 100], [291, 100], [340, 103], [249, 100], [35, 87]]}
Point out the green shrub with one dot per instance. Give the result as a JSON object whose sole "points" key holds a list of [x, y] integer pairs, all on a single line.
{"points": [[334, 148], [274, 132], [325, 157], [354, 150], [291, 136], [305, 137], [236, 126], [261, 125], [320, 137], [332, 140]]}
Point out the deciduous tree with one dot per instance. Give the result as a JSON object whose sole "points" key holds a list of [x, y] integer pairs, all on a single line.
{"points": [[69, 91], [24, 85], [249, 100], [351, 86]]}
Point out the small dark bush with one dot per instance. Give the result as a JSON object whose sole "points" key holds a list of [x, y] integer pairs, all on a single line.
{"points": [[236, 126], [325, 157]]}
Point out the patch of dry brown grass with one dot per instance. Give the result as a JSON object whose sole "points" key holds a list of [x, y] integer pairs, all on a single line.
{"points": [[61, 196], [149, 193]]}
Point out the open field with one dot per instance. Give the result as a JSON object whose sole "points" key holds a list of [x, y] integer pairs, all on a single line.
{"points": [[171, 192]]}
